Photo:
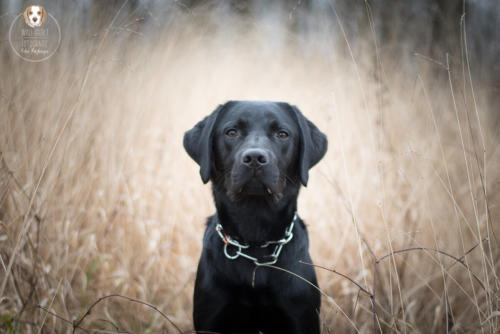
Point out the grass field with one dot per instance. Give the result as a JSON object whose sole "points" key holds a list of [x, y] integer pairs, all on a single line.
{"points": [[98, 197]]}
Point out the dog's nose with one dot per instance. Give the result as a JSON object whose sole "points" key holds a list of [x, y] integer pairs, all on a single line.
{"points": [[255, 158], [35, 19]]}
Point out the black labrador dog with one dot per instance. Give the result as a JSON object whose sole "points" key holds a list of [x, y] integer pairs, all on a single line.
{"points": [[257, 154]]}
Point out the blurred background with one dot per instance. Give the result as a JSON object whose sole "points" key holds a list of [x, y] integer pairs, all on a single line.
{"points": [[98, 197]]}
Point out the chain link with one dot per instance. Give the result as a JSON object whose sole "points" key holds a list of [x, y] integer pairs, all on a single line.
{"points": [[227, 240]]}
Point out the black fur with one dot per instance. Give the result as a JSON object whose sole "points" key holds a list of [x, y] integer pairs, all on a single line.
{"points": [[256, 154]]}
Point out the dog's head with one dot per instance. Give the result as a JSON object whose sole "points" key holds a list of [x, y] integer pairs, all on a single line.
{"points": [[34, 16], [253, 148]]}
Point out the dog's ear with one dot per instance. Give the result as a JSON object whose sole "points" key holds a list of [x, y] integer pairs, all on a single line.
{"points": [[26, 18], [312, 147], [43, 15], [198, 143]]}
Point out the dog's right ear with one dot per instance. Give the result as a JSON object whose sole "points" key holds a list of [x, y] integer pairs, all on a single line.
{"points": [[198, 143]]}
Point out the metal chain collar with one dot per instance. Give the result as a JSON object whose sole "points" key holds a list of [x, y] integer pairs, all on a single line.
{"points": [[227, 240]]}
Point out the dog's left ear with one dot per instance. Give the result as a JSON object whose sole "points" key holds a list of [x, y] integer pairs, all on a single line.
{"points": [[313, 145], [198, 143], [43, 15]]}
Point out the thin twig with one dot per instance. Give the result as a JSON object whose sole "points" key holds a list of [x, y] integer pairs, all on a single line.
{"points": [[338, 273], [89, 310], [50, 305], [62, 319]]}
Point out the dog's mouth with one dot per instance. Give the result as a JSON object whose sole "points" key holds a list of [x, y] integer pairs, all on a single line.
{"points": [[254, 186]]}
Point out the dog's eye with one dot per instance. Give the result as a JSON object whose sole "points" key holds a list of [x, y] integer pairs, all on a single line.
{"points": [[39, 13], [231, 133], [31, 13], [282, 134]]}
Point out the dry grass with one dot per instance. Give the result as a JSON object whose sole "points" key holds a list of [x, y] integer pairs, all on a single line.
{"points": [[98, 197]]}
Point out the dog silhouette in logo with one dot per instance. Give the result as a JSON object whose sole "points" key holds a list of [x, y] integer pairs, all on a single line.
{"points": [[34, 16]]}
